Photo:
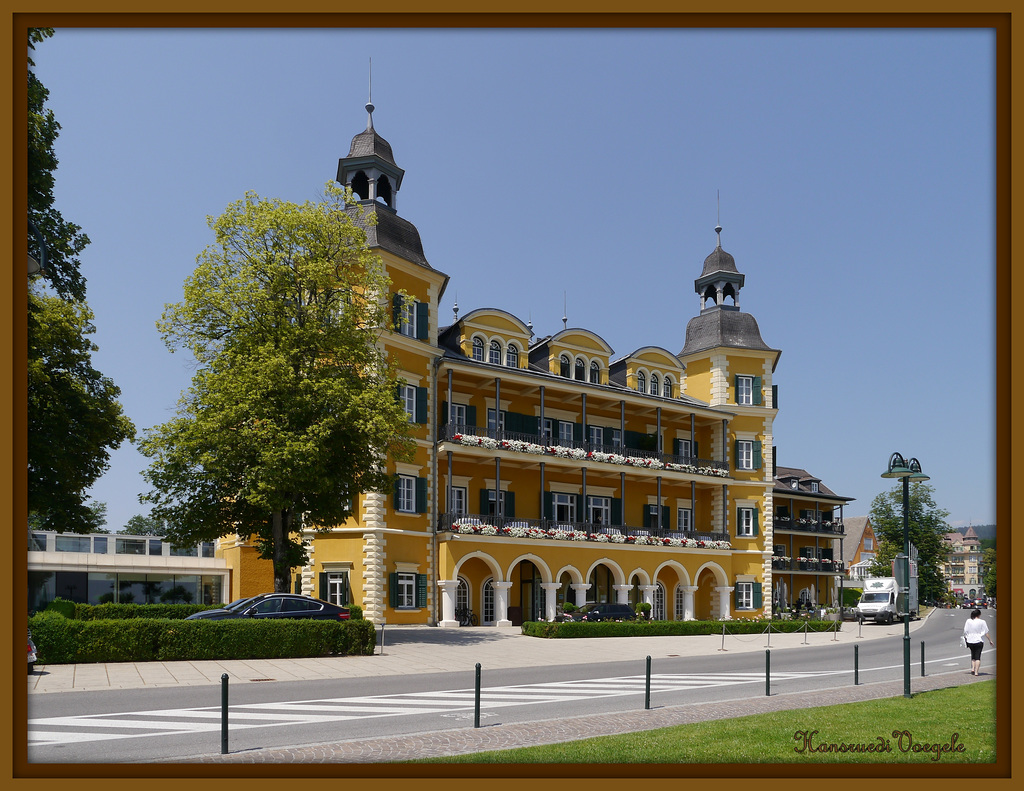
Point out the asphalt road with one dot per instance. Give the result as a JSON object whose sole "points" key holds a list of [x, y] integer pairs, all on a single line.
{"points": [[181, 723]]}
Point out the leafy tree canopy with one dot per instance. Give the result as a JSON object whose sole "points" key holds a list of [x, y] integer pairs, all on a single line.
{"points": [[95, 516], [140, 525], [927, 528], [292, 410]]}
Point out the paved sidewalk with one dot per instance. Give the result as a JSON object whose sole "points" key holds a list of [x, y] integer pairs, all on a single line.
{"points": [[424, 649]]}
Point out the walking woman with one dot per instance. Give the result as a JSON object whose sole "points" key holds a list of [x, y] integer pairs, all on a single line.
{"points": [[975, 632]]}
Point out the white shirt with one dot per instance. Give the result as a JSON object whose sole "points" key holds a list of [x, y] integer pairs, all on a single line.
{"points": [[975, 629]]}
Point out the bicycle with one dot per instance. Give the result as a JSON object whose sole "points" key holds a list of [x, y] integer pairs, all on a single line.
{"points": [[466, 617]]}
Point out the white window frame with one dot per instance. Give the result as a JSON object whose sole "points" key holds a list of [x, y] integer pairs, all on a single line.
{"points": [[462, 593], [407, 318], [547, 430], [565, 434], [814, 487], [495, 420], [566, 502], [595, 372], [596, 435], [744, 595], [478, 349], [686, 448], [458, 414], [458, 504], [406, 494], [641, 382], [599, 507], [684, 519], [490, 501], [494, 353], [616, 437], [406, 591], [487, 598], [408, 395], [745, 518], [336, 586], [512, 356], [579, 370], [745, 454], [745, 390], [680, 602]]}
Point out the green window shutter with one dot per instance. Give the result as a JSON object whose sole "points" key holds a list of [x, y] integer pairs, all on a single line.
{"points": [[757, 454], [664, 517], [736, 454], [442, 417], [421, 495], [421, 405], [693, 449], [396, 309], [580, 515], [393, 589], [616, 510], [577, 432], [757, 390], [736, 388], [758, 596], [757, 521], [421, 590], [549, 508], [396, 502], [677, 447], [648, 515], [471, 415], [321, 586], [485, 501], [736, 598], [422, 320], [510, 504]]}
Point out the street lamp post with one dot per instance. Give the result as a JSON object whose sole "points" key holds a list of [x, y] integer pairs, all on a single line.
{"points": [[908, 471]]}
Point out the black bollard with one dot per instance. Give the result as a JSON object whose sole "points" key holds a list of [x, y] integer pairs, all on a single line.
{"points": [[224, 714], [768, 672], [476, 708], [856, 665], [922, 659], [647, 692]]}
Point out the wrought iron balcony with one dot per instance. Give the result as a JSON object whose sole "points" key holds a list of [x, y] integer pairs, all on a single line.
{"points": [[515, 527], [808, 565], [500, 439], [788, 525]]}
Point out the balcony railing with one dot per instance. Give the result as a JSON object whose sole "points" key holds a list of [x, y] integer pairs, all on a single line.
{"points": [[810, 526], [514, 527], [500, 439], [809, 565]]}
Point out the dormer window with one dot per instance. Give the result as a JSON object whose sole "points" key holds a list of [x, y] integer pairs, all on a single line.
{"points": [[564, 366], [654, 384], [667, 388], [581, 370], [512, 356], [641, 382], [595, 373], [814, 487], [495, 355], [794, 484], [478, 350]]}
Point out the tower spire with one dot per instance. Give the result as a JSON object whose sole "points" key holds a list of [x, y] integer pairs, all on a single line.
{"points": [[369, 99], [718, 222]]}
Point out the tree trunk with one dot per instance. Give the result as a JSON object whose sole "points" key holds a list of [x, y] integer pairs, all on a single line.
{"points": [[280, 533]]}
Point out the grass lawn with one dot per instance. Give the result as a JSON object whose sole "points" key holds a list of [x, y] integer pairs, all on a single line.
{"points": [[962, 720]]}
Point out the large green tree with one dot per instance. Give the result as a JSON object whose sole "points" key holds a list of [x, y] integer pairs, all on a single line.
{"points": [[927, 527], [292, 410], [140, 525], [74, 417]]}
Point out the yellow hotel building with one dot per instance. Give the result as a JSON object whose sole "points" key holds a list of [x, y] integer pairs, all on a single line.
{"points": [[548, 469]]}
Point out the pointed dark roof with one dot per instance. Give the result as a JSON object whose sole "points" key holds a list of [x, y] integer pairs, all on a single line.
{"points": [[720, 326], [391, 232], [368, 144], [719, 261]]}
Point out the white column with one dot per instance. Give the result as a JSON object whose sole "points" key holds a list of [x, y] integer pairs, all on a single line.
{"points": [[723, 602], [448, 588], [648, 594], [501, 603], [580, 592], [550, 599], [622, 593], [688, 591]]}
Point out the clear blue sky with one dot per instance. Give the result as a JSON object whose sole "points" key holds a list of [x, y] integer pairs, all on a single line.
{"points": [[856, 171]]}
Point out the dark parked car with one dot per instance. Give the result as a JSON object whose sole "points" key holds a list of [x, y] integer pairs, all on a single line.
{"points": [[277, 606], [605, 611]]}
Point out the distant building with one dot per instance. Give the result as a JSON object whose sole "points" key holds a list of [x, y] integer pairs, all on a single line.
{"points": [[963, 571], [859, 547]]}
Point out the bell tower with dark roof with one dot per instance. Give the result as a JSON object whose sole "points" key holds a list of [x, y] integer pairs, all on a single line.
{"points": [[370, 169]]}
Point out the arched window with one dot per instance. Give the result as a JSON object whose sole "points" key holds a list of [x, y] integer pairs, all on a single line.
{"points": [[512, 356], [680, 598], [487, 615], [495, 356], [462, 594], [641, 382], [667, 387], [654, 384], [478, 350], [581, 370], [658, 610], [595, 373], [564, 366]]}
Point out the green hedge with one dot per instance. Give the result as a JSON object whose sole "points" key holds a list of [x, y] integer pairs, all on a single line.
{"points": [[60, 640], [120, 612], [660, 628]]}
